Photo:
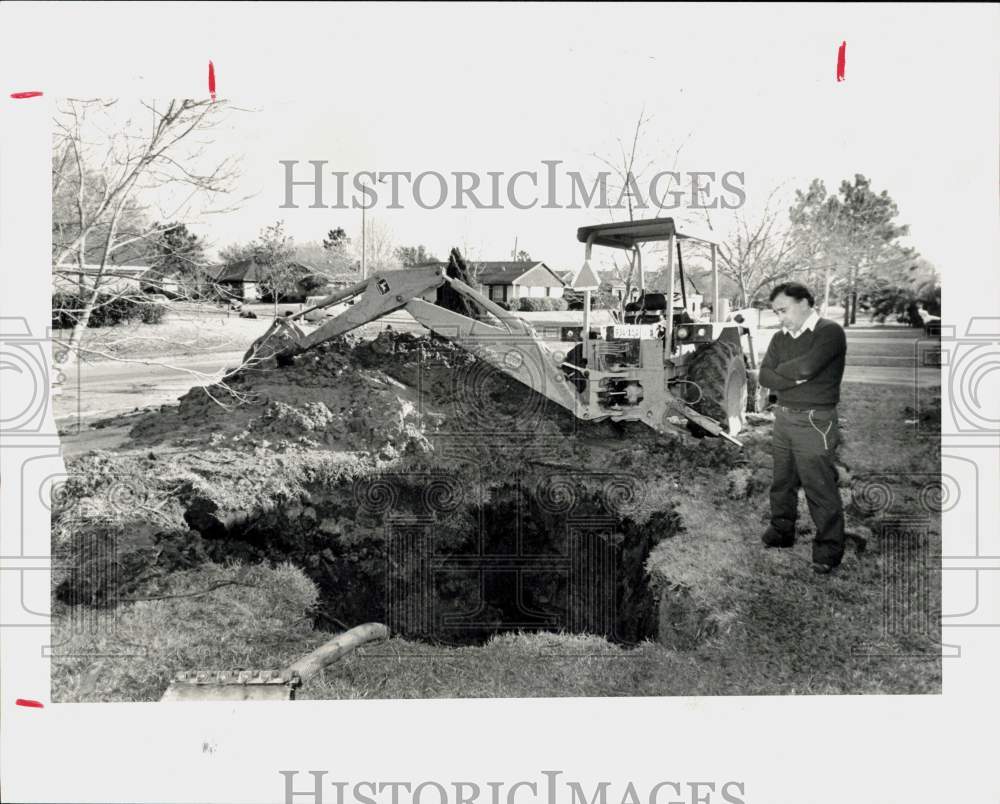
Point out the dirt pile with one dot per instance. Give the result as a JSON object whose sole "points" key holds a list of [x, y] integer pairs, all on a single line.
{"points": [[386, 397], [330, 397]]}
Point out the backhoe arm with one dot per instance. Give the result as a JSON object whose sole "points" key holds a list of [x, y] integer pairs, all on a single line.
{"points": [[510, 345], [507, 342], [376, 296]]}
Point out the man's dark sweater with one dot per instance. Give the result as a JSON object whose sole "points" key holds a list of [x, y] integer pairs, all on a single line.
{"points": [[817, 356]]}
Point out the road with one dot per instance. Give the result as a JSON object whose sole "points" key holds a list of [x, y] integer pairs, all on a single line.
{"points": [[106, 389]]}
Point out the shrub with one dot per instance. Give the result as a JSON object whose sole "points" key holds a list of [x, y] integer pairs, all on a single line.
{"points": [[599, 300], [65, 306], [531, 304], [152, 312], [108, 310]]}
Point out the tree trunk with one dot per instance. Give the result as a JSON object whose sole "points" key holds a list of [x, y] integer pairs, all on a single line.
{"points": [[854, 306], [848, 294], [827, 282], [72, 354]]}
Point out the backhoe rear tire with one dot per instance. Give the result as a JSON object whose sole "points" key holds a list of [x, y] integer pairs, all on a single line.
{"points": [[717, 384]]}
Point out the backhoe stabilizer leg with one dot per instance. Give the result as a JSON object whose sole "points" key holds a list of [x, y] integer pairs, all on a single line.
{"points": [[709, 425]]}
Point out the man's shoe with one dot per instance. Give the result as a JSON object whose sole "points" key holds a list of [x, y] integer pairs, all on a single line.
{"points": [[773, 538], [822, 569]]}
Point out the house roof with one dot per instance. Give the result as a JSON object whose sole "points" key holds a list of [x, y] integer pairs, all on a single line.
{"points": [[509, 273], [242, 271]]}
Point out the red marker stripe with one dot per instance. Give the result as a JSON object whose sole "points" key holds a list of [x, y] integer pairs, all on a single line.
{"points": [[28, 701], [211, 79], [21, 95], [841, 60]]}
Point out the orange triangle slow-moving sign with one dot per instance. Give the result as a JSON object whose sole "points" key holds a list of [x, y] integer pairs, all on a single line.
{"points": [[585, 278]]}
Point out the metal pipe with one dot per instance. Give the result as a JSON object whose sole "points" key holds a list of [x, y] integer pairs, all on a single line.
{"points": [[715, 286], [680, 270], [670, 296], [586, 301]]}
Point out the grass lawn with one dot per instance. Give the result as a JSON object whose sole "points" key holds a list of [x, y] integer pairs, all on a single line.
{"points": [[187, 330]]}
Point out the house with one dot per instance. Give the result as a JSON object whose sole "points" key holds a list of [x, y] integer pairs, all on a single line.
{"points": [[247, 280], [173, 283], [611, 284], [505, 281], [241, 280]]}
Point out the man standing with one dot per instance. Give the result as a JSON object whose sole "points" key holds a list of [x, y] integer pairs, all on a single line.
{"points": [[804, 364]]}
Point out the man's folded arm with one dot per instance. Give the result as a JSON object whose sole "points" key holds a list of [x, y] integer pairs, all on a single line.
{"points": [[830, 344], [767, 376]]}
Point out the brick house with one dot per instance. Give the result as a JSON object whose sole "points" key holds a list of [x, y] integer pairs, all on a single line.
{"points": [[506, 281]]}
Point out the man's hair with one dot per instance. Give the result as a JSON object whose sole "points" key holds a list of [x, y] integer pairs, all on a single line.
{"points": [[794, 290]]}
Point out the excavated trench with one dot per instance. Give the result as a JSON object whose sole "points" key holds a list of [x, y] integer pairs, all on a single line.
{"points": [[450, 562], [435, 554]]}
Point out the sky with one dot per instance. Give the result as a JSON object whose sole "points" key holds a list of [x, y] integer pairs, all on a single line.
{"points": [[728, 86], [503, 87]]}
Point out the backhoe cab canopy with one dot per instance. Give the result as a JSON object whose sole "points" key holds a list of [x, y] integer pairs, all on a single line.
{"points": [[628, 234]]}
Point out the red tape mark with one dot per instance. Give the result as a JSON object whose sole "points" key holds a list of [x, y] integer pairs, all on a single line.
{"points": [[841, 60], [28, 701], [211, 79], [22, 95]]}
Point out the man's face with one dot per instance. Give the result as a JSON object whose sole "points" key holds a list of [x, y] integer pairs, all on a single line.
{"points": [[792, 313]]}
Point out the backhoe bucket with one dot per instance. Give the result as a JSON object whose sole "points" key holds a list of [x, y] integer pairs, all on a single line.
{"points": [[283, 337]]}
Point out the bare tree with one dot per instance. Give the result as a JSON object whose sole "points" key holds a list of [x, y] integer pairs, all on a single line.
{"points": [[757, 252], [107, 165], [628, 168], [379, 245]]}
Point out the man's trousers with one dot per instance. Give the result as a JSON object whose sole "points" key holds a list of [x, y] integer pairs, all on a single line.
{"points": [[804, 448]]}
